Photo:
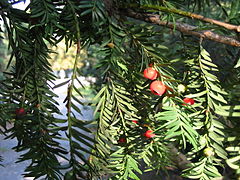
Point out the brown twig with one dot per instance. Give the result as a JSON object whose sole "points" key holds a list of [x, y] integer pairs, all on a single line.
{"points": [[190, 15], [182, 27]]}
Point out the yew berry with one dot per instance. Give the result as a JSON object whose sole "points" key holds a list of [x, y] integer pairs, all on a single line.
{"points": [[135, 121], [122, 140], [150, 73], [149, 134], [158, 88], [20, 111], [188, 101]]}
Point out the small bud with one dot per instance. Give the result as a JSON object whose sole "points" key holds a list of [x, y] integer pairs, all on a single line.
{"points": [[181, 88], [111, 45], [208, 152]]}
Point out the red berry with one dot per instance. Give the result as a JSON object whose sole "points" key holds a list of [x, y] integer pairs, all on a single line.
{"points": [[149, 134], [188, 101], [122, 140], [158, 88], [135, 121], [20, 111], [150, 73]]}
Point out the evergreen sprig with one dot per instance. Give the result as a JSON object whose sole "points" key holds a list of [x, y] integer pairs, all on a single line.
{"points": [[205, 133]]}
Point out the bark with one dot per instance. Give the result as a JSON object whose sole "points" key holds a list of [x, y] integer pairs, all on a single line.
{"points": [[182, 27]]}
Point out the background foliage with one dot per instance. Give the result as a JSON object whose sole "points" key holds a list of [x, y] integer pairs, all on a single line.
{"points": [[125, 37]]}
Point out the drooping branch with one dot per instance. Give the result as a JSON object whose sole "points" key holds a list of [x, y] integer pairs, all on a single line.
{"points": [[188, 14], [182, 27]]}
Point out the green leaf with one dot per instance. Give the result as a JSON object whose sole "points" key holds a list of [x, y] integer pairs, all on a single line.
{"points": [[217, 97], [231, 162], [234, 8], [227, 113], [209, 63], [197, 94], [238, 64], [61, 84]]}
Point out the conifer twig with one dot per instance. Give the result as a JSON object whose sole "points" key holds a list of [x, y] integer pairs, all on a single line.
{"points": [[182, 27]]}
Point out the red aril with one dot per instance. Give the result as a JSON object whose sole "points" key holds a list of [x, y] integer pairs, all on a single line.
{"points": [[150, 73], [158, 88], [188, 101], [135, 121], [20, 111], [149, 134], [122, 140]]}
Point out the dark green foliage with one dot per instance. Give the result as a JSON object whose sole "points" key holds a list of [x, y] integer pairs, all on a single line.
{"points": [[118, 147]]}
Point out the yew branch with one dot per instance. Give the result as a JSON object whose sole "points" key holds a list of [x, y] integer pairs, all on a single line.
{"points": [[182, 27], [190, 15]]}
